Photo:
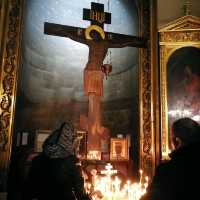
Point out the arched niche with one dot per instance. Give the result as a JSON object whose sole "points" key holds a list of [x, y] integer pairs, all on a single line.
{"points": [[11, 54]]}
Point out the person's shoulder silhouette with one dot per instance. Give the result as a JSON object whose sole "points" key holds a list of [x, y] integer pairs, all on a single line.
{"points": [[54, 173], [177, 178]]}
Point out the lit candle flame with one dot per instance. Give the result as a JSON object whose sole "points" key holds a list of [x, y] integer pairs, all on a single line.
{"points": [[112, 189]]}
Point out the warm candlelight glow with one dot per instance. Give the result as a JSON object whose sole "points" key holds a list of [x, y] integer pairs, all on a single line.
{"points": [[94, 155], [165, 154], [105, 187]]}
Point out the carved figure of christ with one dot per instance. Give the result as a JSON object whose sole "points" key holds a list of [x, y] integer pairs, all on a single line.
{"points": [[98, 43]]}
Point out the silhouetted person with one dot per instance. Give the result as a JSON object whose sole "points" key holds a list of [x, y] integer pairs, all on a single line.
{"points": [[18, 171], [55, 173], [178, 179]]}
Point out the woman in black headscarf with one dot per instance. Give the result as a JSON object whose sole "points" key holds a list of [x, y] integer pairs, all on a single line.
{"points": [[55, 173]]}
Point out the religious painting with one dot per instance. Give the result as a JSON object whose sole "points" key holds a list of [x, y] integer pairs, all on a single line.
{"points": [[119, 149], [40, 137], [183, 85], [179, 75]]}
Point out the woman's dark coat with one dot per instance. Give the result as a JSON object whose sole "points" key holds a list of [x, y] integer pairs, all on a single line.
{"points": [[54, 179], [178, 179]]}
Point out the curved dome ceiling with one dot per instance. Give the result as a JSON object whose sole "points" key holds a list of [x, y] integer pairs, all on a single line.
{"points": [[53, 66]]}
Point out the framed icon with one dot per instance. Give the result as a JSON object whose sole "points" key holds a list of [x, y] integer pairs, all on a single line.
{"points": [[40, 137], [179, 75], [119, 149]]}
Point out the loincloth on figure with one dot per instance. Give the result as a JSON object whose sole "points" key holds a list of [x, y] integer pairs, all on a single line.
{"points": [[93, 82]]}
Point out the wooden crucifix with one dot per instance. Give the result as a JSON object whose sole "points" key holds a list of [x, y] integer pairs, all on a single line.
{"points": [[98, 42], [94, 36]]}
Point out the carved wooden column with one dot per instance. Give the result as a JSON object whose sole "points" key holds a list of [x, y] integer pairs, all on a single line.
{"points": [[11, 18], [148, 89]]}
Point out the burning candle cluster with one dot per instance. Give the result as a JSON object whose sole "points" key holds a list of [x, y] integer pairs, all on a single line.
{"points": [[109, 187]]}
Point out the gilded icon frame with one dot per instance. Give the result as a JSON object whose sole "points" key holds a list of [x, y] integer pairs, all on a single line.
{"points": [[183, 32], [123, 143]]}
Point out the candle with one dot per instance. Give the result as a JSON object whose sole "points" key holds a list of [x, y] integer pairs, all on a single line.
{"points": [[112, 189]]}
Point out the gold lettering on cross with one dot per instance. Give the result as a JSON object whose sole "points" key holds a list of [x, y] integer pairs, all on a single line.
{"points": [[98, 16]]}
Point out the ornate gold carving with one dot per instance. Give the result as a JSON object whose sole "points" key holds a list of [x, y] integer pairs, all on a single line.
{"points": [[8, 78], [146, 113], [188, 26], [164, 54], [146, 139], [4, 123], [184, 23], [184, 36]]}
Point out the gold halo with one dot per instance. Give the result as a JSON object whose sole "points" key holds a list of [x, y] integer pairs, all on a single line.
{"points": [[96, 28]]}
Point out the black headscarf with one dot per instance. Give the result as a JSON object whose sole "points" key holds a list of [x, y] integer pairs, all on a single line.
{"points": [[60, 143]]}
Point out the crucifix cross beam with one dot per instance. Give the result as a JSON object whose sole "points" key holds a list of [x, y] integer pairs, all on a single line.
{"points": [[98, 17], [116, 40]]}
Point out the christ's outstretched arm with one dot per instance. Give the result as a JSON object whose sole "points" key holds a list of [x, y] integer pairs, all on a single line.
{"points": [[74, 33], [116, 40]]}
